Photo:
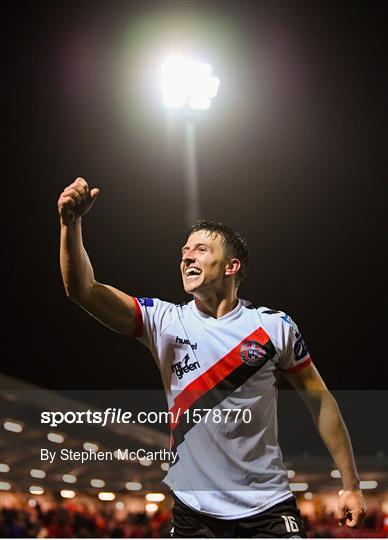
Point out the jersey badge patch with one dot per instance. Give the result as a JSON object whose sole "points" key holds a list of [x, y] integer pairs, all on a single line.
{"points": [[294, 326], [300, 348], [252, 353], [146, 302]]}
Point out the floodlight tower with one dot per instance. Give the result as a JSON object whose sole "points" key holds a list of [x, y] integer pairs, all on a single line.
{"points": [[188, 84]]}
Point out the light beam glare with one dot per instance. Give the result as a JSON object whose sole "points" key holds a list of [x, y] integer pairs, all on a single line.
{"points": [[187, 82]]}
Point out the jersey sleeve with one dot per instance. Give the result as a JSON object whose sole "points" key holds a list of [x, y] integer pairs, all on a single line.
{"points": [[292, 351], [152, 316]]}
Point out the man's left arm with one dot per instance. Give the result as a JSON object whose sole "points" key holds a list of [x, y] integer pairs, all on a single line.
{"points": [[329, 422]]}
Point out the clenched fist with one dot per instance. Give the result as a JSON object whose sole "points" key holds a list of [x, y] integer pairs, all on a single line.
{"points": [[75, 200]]}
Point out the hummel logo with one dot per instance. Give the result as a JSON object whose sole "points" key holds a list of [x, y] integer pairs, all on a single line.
{"points": [[180, 368], [186, 342]]}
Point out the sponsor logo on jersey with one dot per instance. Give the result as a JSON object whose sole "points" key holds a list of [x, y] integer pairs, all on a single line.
{"points": [[181, 341], [146, 302], [252, 353], [293, 325], [300, 348], [183, 367]]}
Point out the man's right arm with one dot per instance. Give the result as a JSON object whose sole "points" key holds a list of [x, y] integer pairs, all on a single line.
{"points": [[110, 306]]}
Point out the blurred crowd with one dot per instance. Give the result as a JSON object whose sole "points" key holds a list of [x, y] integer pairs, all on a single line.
{"points": [[81, 522], [326, 526]]}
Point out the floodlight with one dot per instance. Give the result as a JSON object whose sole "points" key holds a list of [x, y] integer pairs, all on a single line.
{"points": [[299, 486], [67, 493], [36, 490], [16, 427], [106, 496], [187, 83], [56, 437], [97, 483], [37, 473], [155, 497], [133, 486], [69, 478]]}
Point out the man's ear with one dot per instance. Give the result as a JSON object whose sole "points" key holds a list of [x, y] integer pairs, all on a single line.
{"points": [[232, 267]]}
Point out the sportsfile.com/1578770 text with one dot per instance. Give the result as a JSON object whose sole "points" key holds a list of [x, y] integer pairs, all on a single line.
{"points": [[118, 416]]}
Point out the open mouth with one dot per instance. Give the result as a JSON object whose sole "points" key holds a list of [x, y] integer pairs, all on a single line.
{"points": [[192, 272]]}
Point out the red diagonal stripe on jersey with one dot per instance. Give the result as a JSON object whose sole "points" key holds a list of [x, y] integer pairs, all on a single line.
{"points": [[212, 377]]}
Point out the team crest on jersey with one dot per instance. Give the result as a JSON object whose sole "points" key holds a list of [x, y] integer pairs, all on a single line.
{"points": [[252, 353]]}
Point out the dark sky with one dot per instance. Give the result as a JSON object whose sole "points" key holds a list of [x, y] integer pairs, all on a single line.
{"points": [[291, 154]]}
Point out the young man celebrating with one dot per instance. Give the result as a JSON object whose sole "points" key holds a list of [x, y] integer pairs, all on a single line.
{"points": [[220, 358]]}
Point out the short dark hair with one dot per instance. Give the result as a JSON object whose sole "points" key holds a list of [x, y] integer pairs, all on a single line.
{"points": [[235, 245]]}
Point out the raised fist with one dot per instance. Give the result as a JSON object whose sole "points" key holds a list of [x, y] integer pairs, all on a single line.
{"points": [[76, 200]]}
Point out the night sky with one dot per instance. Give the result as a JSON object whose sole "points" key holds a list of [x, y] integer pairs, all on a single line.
{"points": [[291, 154]]}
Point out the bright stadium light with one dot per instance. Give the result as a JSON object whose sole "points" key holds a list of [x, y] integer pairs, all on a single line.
{"points": [[155, 497], [56, 438], [106, 496], [90, 446], [368, 484], [4, 467], [299, 486], [186, 82], [133, 486], [15, 427], [335, 473], [37, 473], [97, 483], [67, 493], [36, 490], [69, 478]]}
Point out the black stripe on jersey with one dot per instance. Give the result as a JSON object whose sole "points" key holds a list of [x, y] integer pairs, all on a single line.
{"points": [[271, 311], [218, 393]]}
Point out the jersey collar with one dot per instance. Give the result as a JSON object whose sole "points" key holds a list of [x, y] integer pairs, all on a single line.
{"points": [[231, 315]]}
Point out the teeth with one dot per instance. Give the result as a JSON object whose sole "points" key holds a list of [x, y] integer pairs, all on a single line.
{"points": [[193, 272]]}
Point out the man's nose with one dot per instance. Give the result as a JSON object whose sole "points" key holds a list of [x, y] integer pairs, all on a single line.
{"points": [[188, 258]]}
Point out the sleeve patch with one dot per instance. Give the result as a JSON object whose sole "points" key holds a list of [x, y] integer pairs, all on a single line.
{"points": [[294, 326], [300, 348], [146, 302]]}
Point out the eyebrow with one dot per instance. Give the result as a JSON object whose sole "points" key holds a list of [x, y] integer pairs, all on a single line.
{"points": [[196, 246]]}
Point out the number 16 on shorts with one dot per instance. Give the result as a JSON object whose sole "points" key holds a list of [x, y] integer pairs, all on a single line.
{"points": [[290, 523]]}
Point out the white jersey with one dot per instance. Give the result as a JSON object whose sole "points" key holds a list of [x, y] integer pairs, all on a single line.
{"points": [[220, 378]]}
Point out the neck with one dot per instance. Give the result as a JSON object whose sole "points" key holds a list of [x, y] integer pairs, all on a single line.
{"points": [[216, 306]]}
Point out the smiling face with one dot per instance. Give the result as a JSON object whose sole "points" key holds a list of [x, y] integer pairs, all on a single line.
{"points": [[204, 262]]}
